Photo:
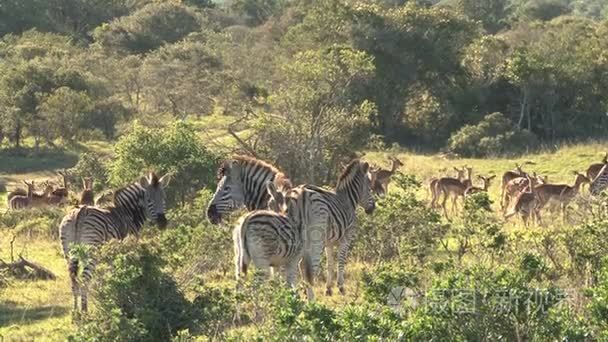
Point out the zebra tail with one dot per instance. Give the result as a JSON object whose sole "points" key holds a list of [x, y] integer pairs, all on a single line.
{"points": [[244, 257], [306, 269]]}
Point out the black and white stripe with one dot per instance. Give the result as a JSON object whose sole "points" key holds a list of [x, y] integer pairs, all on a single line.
{"points": [[242, 182], [600, 182], [329, 218], [92, 226]]}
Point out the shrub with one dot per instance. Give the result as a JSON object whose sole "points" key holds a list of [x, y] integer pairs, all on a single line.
{"points": [[493, 135], [401, 226], [135, 300], [90, 164], [386, 284], [176, 149]]}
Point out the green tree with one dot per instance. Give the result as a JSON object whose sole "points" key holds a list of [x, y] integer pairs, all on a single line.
{"points": [[176, 149]]}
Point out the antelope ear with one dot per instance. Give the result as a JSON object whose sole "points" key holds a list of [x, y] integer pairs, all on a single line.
{"points": [[165, 180], [492, 177]]}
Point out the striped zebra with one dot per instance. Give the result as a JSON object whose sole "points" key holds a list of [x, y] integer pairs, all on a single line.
{"points": [[330, 218], [600, 182], [242, 182], [92, 226], [272, 238], [18, 202]]}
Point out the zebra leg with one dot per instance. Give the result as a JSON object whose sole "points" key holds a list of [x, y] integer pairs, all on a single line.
{"points": [[73, 271], [342, 255], [331, 267], [291, 272], [87, 274]]}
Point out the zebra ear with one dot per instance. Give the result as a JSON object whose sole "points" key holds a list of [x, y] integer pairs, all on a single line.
{"points": [[144, 181], [272, 189], [165, 180], [365, 167]]}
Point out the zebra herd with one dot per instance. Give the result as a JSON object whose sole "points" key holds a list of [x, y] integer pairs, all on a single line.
{"points": [[287, 227], [286, 224]]}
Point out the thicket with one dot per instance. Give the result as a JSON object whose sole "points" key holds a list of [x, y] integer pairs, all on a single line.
{"points": [[304, 83]]}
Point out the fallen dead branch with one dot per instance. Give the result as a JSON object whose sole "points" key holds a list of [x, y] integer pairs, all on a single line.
{"points": [[25, 269]]}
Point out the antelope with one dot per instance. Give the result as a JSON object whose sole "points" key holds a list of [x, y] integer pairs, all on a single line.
{"points": [[594, 169], [563, 193], [449, 186], [22, 202], [507, 177], [516, 185], [86, 196], [383, 177], [60, 195], [42, 199], [468, 182], [485, 185], [525, 203], [435, 189]]}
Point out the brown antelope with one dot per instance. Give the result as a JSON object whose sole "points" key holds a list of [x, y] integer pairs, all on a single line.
{"points": [[383, 176], [516, 185], [60, 195], [468, 181], [594, 169], [484, 188], [86, 196], [449, 187], [22, 202], [525, 203], [42, 199], [562, 193], [435, 189], [506, 178]]}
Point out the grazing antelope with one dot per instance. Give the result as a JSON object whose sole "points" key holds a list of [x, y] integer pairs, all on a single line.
{"points": [[594, 169], [485, 185], [562, 193], [22, 202], [507, 177], [86, 196], [525, 203], [383, 177], [435, 189], [60, 195]]}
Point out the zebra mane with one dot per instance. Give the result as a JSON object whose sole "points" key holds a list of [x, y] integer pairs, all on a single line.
{"points": [[349, 172], [281, 180]]}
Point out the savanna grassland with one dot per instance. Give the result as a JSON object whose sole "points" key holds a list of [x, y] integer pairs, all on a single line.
{"points": [[113, 89]]}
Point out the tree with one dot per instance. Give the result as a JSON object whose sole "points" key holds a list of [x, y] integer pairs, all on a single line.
{"points": [[176, 149], [315, 120], [492, 13]]}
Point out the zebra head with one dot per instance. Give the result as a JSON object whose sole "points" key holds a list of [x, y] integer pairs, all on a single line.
{"points": [[366, 191], [277, 201], [154, 197], [358, 181], [229, 194]]}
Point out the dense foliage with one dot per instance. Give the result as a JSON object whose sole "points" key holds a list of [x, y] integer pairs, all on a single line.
{"points": [[305, 82]]}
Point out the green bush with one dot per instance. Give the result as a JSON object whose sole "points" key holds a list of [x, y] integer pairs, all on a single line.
{"points": [[493, 135], [176, 149], [134, 299], [402, 226], [90, 164], [386, 284]]}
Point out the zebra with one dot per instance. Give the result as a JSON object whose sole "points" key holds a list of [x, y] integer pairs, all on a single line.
{"points": [[18, 202], [92, 226], [600, 182], [272, 238], [330, 218], [242, 182]]}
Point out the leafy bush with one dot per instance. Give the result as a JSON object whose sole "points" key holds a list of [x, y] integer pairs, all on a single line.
{"points": [[401, 226], [135, 300], [386, 283], [494, 135], [90, 164], [176, 149]]}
